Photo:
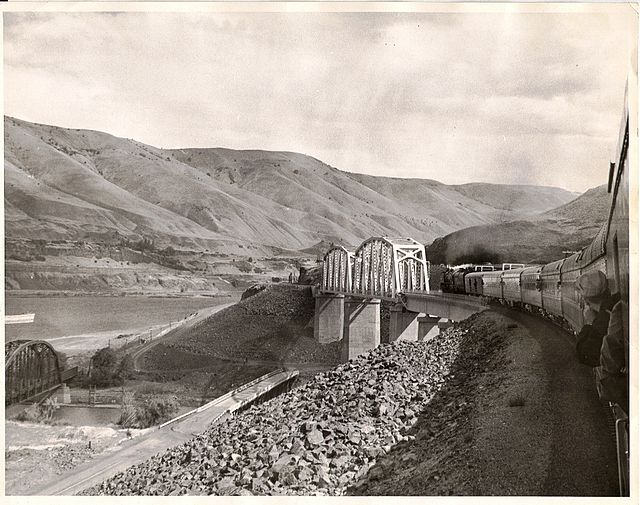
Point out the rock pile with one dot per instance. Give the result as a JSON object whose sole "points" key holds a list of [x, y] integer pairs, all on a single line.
{"points": [[318, 439], [280, 300], [270, 326]]}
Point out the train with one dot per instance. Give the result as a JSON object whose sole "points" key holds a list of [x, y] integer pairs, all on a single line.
{"points": [[550, 289]]}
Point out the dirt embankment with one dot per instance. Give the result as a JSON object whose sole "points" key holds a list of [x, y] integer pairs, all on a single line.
{"points": [[273, 326], [518, 416]]}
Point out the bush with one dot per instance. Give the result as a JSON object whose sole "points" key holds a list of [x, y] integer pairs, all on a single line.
{"points": [[244, 266], [62, 360], [107, 370], [151, 412], [125, 368], [38, 413]]}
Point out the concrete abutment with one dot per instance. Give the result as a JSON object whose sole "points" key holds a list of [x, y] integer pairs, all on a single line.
{"points": [[328, 319], [361, 327], [404, 324]]}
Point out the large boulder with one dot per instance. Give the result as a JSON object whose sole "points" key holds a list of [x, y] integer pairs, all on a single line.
{"points": [[253, 290], [310, 276]]}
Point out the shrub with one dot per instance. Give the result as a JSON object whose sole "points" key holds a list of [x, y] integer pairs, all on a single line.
{"points": [[150, 412], [125, 368], [107, 370], [62, 360], [244, 266], [38, 413]]}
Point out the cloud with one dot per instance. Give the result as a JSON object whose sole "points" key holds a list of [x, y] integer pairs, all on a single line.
{"points": [[430, 95]]}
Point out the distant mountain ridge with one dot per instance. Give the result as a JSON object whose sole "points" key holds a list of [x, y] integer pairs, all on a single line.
{"points": [[539, 239], [86, 185]]}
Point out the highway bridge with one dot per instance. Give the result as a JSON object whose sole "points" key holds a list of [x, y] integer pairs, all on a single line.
{"points": [[354, 281]]}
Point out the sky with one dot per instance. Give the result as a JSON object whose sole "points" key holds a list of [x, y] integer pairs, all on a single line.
{"points": [[506, 97]]}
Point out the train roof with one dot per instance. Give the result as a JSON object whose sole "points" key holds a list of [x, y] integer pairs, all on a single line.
{"points": [[495, 273], [572, 262], [596, 249], [514, 272], [552, 267]]}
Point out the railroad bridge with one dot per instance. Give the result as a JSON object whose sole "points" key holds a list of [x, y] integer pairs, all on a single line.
{"points": [[32, 371], [354, 281]]}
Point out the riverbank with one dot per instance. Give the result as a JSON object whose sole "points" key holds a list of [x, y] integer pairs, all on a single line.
{"points": [[36, 453]]}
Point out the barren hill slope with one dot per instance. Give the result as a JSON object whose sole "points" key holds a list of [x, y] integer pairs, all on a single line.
{"points": [[539, 239], [86, 185]]}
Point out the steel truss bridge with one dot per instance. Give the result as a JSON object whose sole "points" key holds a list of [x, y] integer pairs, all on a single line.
{"points": [[380, 267], [31, 370]]}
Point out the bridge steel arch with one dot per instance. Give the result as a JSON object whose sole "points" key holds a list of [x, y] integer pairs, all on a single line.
{"points": [[385, 267], [337, 270], [31, 368]]}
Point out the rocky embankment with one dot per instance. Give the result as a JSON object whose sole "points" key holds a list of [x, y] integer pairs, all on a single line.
{"points": [[274, 325], [327, 436]]}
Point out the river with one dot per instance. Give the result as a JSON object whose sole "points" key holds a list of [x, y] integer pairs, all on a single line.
{"points": [[57, 316]]}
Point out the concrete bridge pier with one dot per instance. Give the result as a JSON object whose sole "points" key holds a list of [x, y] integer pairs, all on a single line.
{"points": [[404, 324], [427, 327], [444, 323], [328, 320], [361, 331]]}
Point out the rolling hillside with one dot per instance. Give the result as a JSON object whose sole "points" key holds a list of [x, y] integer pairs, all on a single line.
{"points": [[64, 184], [539, 239]]}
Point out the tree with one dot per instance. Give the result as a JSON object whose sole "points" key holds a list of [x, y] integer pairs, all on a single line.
{"points": [[125, 368], [107, 370], [103, 367], [62, 360]]}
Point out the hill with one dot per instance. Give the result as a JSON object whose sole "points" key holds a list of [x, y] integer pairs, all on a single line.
{"points": [[539, 239], [65, 184]]}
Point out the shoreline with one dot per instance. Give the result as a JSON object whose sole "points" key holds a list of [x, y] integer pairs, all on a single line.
{"points": [[25, 293]]}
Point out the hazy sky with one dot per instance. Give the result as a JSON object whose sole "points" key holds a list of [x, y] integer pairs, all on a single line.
{"points": [[511, 97]]}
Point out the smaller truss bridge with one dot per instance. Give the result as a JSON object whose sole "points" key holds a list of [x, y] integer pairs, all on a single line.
{"points": [[31, 369]]}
